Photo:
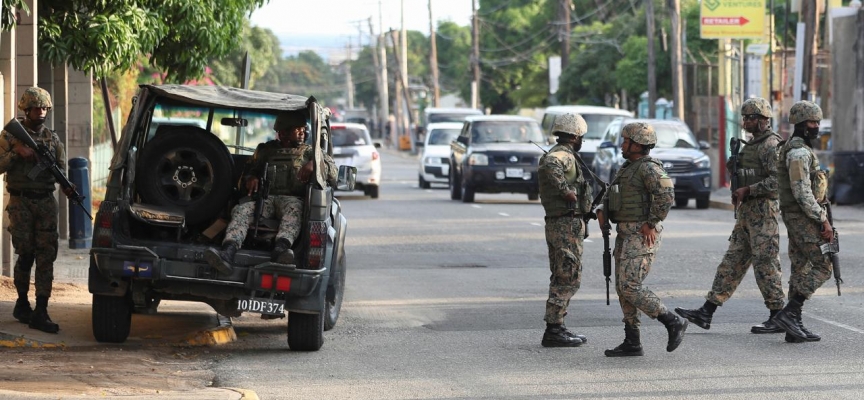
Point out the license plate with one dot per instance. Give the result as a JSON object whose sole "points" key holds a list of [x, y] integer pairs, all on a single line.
{"points": [[263, 306], [514, 172]]}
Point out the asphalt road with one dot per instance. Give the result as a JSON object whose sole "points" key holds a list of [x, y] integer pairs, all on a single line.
{"points": [[445, 300]]}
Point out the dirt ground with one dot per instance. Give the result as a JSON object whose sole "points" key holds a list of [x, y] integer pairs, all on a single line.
{"points": [[99, 370]]}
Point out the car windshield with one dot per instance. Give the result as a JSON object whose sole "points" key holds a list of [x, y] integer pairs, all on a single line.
{"points": [[505, 131], [440, 117], [674, 136], [345, 136], [442, 136], [258, 129], [597, 124]]}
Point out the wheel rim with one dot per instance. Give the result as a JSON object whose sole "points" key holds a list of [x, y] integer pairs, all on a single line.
{"points": [[185, 176]]}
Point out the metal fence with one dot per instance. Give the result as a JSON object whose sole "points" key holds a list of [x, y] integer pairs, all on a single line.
{"points": [[102, 154]]}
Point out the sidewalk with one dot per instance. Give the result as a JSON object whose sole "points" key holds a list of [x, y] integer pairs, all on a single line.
{"points": [[722, 199]]}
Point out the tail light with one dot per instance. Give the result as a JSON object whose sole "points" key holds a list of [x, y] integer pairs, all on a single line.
{"points": [[375, 155], [102, 234], [317, 243], [283, 283]]}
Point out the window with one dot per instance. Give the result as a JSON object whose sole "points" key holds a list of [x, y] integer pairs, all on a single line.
{"points": [[506, 132], [442, 136], [343, 136]]}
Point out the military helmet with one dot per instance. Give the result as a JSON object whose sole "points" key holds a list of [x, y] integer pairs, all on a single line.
{"points": [[803, 111], [640, 132], [756, 106], [569, 124], [289, 119], [35, 97]]}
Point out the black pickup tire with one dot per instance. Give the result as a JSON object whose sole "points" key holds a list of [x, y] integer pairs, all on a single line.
{"points": [[185, 167], [467, 193], [703, 202], [455, 187], [112, 318], [305, 331], [335, 294], [681, 202]]}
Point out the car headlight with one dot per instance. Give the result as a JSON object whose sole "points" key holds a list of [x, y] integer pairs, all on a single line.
{"points": [[478, 159], [432, 161], [702, 162]]}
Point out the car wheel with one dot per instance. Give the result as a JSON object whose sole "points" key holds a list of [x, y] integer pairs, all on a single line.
{"points": [[372, 191], [335, 294], [467, 194], [703, 202], [305, 331], [423, 183], [455, 188], [681, 202], [533, 196], [112, 318], [186, 168]]}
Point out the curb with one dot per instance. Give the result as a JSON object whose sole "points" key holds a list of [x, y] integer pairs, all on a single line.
{"points": [[11, 341], [721, 205], [223, 334]]}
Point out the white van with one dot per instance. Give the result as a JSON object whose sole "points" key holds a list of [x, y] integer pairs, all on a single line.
{"points": [[598, 118]]}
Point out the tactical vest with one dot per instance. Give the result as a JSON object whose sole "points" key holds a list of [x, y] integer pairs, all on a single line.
{"points": [[22, 175], [752, 171], [629, 201], [283, 171], [550, 196], [818, 178]]}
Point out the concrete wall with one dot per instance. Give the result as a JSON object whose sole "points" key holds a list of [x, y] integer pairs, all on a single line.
{"points": [[846, 134]]}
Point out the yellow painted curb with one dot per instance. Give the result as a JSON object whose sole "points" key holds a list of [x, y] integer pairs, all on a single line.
{"points": [[21, 342], [223, 334], [245, 394]]}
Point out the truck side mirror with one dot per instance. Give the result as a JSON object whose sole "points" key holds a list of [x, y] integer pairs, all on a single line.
{"points": [[346, 178]]}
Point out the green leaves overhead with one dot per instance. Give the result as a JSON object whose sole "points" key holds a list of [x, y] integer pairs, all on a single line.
{"points": [[180, 36]]}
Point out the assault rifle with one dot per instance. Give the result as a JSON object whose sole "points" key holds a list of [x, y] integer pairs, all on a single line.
{"points": [[833, 248], [46, 160], [607, 249], [263, 193], [735, 165]]}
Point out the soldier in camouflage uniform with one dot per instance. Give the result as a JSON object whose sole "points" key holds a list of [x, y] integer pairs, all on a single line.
{"points": [[756, 236], [639, 198], [566, 197], [290, 168], [803, 188], [32, 208]]}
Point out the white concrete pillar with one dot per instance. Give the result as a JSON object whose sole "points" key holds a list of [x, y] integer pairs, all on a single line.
{"points": [[60, 117], [9, 111], [79, 136], [25, 52]]}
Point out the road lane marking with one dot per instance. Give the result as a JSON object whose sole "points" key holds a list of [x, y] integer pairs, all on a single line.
{"points": [[476, 206], [504, 214], [588, 241], [837, 324], [536, 224]]}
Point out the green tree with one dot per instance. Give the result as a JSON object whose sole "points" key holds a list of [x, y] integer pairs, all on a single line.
{"points": [[264, 52], [7, 17], [180, 36], [454, 61], [306, 74]]}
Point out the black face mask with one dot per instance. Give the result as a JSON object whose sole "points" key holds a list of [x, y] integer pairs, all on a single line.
{"points": [[813, 133], [803, 133]]}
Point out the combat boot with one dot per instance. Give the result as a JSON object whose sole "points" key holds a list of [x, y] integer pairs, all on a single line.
{"points": [[676, 328], [788, 319], [768, 326], [557, 335], [221, 260], [631, 347], [811, 337], [40, 319], [700, 316], [22, 310], [583, 338], [282, 252]]}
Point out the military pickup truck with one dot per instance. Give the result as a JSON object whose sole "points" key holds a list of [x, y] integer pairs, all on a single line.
{"points": [[172, 183]]}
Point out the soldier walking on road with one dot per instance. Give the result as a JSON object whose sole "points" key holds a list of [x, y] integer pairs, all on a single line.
{"points": [[290, 168], [756, 236], [638, 200], [803, 187], [32, 208], [566, 197]]}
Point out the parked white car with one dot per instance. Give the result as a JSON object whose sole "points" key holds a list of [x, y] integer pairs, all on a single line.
{"points": [[435, 159], [353, 146], [597, 118]]}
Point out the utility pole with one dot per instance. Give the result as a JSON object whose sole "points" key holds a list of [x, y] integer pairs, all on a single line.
{"points": [[403, 72], [433, 60], [475, 56], [677, 53], [652, 78], [564, 33], [381, 119], [384, 99], [810, 16], [403, 82], [349, 83]]}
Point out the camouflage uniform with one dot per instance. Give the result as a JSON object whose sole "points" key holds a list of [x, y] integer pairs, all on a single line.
{"points": [[32, 208], [633, 258], [288, 203], [565, 229], [756, 237]]}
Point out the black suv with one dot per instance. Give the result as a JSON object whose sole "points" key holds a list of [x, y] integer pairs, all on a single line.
{"points": [[494, 154], [677, 147], [169, 196]]}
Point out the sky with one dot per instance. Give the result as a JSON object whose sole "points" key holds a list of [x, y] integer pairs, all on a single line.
{"points": [[327, 26]]}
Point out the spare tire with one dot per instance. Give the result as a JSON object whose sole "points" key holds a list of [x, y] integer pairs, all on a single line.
{"points": [[188, 168]]}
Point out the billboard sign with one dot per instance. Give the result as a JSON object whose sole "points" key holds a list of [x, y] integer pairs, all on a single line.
{"points": [[732, 19]]}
